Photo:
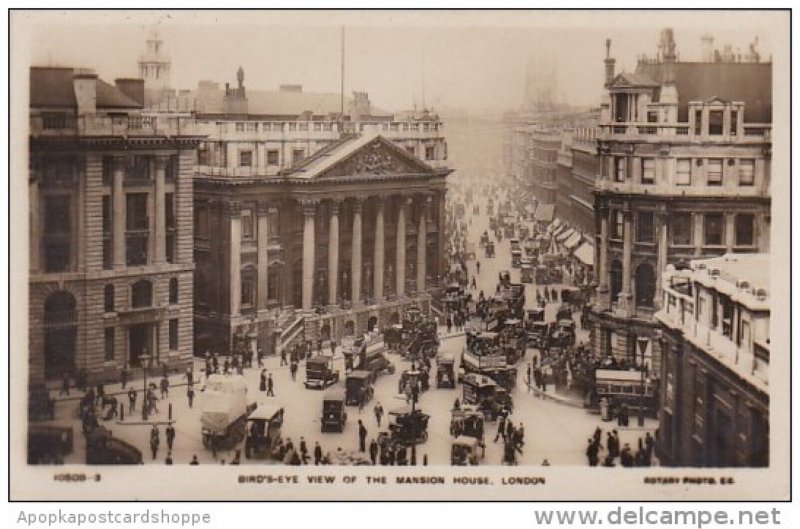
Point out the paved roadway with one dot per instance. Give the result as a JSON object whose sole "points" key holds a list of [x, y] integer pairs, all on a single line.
{"points": [[553, 430]]}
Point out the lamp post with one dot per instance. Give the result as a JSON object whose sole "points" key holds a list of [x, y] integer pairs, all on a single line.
{"points": [[642, 341], [414, 397], [143, 360]]}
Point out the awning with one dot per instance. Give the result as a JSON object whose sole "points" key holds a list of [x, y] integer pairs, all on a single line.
{"points": [[585, 254], [566, 234], [573, 241]]}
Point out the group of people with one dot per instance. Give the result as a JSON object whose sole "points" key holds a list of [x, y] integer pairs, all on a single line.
{"points": [[614, 449]]}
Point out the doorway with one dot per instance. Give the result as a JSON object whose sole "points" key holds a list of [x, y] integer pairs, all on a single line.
{"points": [[140, 340]]}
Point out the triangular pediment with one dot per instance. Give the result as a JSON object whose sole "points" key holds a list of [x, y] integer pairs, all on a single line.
{"points": [[364, 157]]}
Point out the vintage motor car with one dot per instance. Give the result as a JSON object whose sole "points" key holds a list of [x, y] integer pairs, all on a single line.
{"points": [[358, 387], [484, 238], [406, 426], [516, 258], [411, 378], [515, 244], [445, 371], [320, 372], [464, 452], [486, 395], [467, 421], [526, 274], [334, 414], [489, 250], [263, 432]]}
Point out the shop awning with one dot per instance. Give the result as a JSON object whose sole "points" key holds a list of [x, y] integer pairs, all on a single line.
{"points": [[573, 241], [564, 235], [585, 254]]}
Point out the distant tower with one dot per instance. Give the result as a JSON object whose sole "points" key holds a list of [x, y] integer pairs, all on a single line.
{"points": [[541, 85], [708, 48], [154, 68]]}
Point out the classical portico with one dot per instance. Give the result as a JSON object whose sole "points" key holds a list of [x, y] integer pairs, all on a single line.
{"points": [[348, 230]]}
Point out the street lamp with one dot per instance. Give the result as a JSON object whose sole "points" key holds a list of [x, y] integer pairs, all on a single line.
{"points": [[414, 397], [143, 360], [643, 342]]}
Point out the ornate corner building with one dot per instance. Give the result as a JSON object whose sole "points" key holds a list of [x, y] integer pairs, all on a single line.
{"points": [[684, 172], [111, 266]]}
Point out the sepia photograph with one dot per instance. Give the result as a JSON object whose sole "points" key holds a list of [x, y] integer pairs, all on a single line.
{"points": [[399, 255]]}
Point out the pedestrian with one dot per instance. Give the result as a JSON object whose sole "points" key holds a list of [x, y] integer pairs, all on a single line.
{"points": [[226, 366], [155, 440], [168, 461], [303, 450], [215, 363], [164, 387], [164, 370], [554, 295], [373, 451], [270, 388], [501, 428], [649, 443], [625, 456], [477, 267], [378, 410], [449, 324], [283, 357], [260, 356], [592, 453], [64, 384], [333, 347], [123, 377], [474, 285], [131, 400], [317, 453], [190, 395], [170, 435], [362, 437], [293, 370], [262, 384], [189, 376], [194, 460], [100, 394]]}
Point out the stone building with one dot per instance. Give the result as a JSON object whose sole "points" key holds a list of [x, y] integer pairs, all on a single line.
{"points": [[256, 284], [684, 173], [714, 331], [111, 265]]}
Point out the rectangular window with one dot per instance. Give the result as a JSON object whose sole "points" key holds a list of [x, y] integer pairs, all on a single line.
{"points": [[109, 343], [747, 172], [245, 158], [683, 172], [201, 228], [240, 127], [136, 249], [108, 170], [698, 122], [202, 155], [273, 223], [745, 231], [57, 215], [648, 170], [734, 122], [297, 155], [681, 228], [140, 167], [652, 116], [715, 122], [619, 168], [136, 212], [251, 126], [248, 227], [173, 335], [430, 153], [169, 213], [617, 225], [645, 229], [248, 290], [714, 172], [107, 249], [273, 158], [714, 228]]}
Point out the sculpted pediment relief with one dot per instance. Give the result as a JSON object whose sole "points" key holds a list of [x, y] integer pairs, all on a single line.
{"points": [[377, 158]]}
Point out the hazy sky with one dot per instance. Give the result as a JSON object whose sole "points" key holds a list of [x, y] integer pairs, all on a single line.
{"points": [[471, 60]]}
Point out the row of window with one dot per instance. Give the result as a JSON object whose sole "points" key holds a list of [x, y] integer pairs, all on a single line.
{"points": [[141, 295], [109, 339], [683, 171], [680, 228], [273, 156]]}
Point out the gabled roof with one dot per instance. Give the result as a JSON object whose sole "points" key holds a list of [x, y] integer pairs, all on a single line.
{"points": [[366, 154], [53, 87], [626, 79]]}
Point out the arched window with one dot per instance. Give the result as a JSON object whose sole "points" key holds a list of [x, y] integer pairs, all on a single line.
{"points": [[108, 298], [173, 291], [60, 334], [142, 294], [248, 287], [616, 279], [645, 285]]}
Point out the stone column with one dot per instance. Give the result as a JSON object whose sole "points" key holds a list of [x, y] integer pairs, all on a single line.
{"points": [[697, 224], [663, 247], [602, 261], [400, 264], [34, 212], [626, 304], [422, 245], [263, 256], [118, 207], [355, 259], [379, 252], [160, 207], [309, 210], [233, 211], [730, 232], [333, 253]]}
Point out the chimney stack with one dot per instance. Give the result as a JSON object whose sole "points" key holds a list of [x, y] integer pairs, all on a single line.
{"points": [[609, 64], [84, 82]]}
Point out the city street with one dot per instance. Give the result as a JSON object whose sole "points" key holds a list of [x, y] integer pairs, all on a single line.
{"points": [[554, 431]]}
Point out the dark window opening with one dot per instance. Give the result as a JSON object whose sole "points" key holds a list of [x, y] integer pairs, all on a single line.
{"points": [[142, 294]]}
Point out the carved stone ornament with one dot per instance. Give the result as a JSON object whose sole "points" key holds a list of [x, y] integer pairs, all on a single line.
{"points": [[374, 159]]}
